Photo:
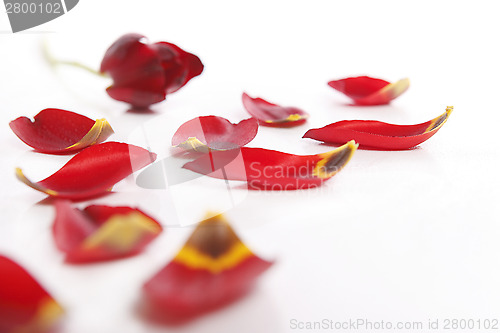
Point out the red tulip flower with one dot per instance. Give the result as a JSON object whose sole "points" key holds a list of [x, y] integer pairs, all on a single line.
{"points": [[143, 74]]}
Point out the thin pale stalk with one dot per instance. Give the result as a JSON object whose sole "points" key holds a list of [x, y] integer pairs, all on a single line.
{"points": [[49, 57]]}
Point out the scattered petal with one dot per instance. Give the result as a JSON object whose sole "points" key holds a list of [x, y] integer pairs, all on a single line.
{"points": [[56, 131], [143, 74], [25, 306], [273, 170], [215, 133], [213, 269], [93, 171], [378, 135], [99, 233], [365, 90], [273, 115]]}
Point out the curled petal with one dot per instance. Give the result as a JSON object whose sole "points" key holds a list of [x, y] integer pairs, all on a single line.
{"points": [[138, 76], [25, 306], [214, 132], [269, 114], [273, 170], [212, 269], [143, 73], [378, 135], [56, 131], [93, 171], [186, 66], [365, 90], [102, 232]]}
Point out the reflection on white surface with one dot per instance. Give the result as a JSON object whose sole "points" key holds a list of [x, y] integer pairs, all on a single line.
{"points": [[405, 235], [189, 195]]}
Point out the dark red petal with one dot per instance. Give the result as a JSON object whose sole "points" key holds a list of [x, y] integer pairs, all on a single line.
{"points": [[143, 74], [365, 90], [273, 170], [273, 115], [179, 66], [212, 269], [136, 70], [71, 227], [25, 306], [137, 97], [101, 232], [117, 54], [93, 171], [59, 131], [379, 135], [215, 133]]}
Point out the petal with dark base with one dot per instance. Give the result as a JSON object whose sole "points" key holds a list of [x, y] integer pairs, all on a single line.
{"points": [[373, 134], [213, 269], [273, 170], [56, 131]]}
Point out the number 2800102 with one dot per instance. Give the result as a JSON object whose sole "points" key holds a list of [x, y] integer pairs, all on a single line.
{"points": [[33, 8]]}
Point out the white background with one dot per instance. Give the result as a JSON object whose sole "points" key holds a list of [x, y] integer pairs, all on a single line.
{"points": [[395, 236]]}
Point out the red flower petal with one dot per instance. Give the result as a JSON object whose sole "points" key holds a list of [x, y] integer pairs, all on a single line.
{"points": [[178, 73], [93, 171], [143, 74], [215, 133], [379, 135], [273, 170], [25, 306], [273, 115], [102, 232], [60, 131], [365, 90], [137, 73], [212, 269]]}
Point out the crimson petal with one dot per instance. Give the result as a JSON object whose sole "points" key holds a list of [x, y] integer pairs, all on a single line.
{"points": [[138, 77], [212, 269], [365, 90], [93, 171], [143, 74], [185, 67], [56, 131], [215, 133], [379, 135], [273, 170], [25, 306], [102, 232], [269, 114]]}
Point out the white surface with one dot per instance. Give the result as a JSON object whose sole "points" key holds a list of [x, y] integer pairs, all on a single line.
{"points": [[396, 236]]}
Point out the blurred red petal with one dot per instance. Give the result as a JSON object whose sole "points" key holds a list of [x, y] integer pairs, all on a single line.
{"points": [[379, 135], [365, 90], [25, 306], [101, 232], [138, 76], [273, 170], [93, 171], [143, 73], [56, 131], [215, 133], [212, 269], [273, 115], [141, 98], [177, 73]]}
